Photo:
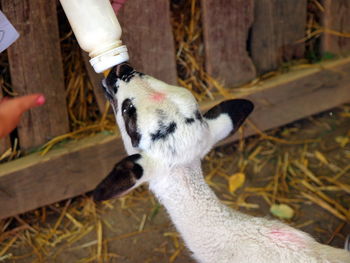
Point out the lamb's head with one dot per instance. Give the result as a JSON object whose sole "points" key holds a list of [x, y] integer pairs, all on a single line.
{"points": [[154, 117], [162, 124]]}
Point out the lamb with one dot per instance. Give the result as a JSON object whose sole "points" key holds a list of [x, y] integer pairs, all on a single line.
{"points": [[166, 137]]}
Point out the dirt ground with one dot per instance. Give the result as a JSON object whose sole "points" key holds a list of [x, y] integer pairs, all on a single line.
{"points": [[136, 228]]}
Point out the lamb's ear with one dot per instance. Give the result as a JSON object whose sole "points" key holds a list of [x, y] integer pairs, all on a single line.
{"points": [[225, 118], [125, 176]]}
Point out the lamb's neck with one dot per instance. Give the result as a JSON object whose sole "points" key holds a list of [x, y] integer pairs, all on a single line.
{"points": [[190, 201]]}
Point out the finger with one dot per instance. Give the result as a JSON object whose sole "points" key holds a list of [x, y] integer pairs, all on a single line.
{"points": [[9, 117], [3, 99], [27, 102], [117, 4], [12, 109]]}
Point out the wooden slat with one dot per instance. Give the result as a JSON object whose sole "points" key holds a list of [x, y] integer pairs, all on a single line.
{"points": [[148, 35], [34, 181], [278, 25], [5, 142], [36, 66], [96, 80], [337, 18], [226, 25], [58, 175], [294, 96]]}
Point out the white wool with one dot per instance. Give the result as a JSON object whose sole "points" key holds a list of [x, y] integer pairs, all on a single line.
{"points": [[213, 232]]}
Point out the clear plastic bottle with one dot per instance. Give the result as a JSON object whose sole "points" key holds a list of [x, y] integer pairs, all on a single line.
{"points": [[97, 30]]}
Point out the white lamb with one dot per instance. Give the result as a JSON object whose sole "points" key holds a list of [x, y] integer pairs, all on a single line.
{"points": [[166, 136]]}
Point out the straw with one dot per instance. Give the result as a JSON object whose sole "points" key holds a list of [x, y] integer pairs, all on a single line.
{"points": [[279, 166]]}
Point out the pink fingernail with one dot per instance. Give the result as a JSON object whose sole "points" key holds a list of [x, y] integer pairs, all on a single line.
{"points": [[40, 100]]}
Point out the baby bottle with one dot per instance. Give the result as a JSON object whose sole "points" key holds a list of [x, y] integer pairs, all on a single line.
{"points": [[97, 30]]}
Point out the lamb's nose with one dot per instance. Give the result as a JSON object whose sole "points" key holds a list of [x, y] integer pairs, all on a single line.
{"points": [[124, 71]]}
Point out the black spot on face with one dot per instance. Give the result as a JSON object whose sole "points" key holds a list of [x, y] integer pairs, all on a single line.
{"points": [[125, 72], [124, 69], [110, 94], [129, 114], [122, 178], [161, 114], [198, 115], [189, 120], [110, 85], [164, 131], [122, 72]]}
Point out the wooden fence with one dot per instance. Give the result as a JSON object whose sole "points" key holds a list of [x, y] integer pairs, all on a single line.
{"points": [[242, 40]]}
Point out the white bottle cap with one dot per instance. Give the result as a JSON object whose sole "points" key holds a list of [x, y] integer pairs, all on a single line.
{"points": [[109, 59]]}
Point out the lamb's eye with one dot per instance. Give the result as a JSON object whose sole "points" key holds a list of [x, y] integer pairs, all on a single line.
{"points": [[128, 108]]}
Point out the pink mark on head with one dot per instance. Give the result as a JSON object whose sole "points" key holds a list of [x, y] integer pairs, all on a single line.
{"points": [[157, 96], [286, 236]]}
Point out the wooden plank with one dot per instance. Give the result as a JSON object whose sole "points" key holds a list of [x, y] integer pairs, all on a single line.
{"points": [[278, 25], [34, 181], [58, 175], [36, 66], [336, 17], [147, 32], [299, 94], [5, 142], [226, 25]]}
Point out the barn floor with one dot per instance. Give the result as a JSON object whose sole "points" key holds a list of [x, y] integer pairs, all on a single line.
{"points": [[137, 229]]}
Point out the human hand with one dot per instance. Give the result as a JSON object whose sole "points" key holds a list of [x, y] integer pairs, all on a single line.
{"points": [[11, 110], [117, 4]]}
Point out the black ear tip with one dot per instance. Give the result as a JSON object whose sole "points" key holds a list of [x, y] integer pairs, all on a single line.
{"points": [[236, 108], [247, 106]]}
